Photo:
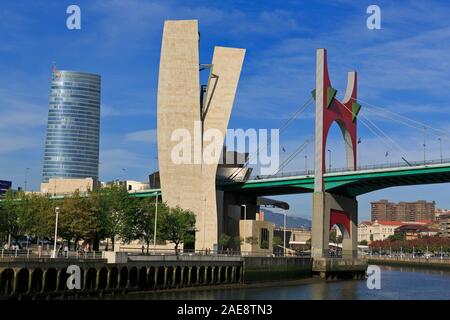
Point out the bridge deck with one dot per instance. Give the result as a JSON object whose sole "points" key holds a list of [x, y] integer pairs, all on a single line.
{"points": [[351, 183]]}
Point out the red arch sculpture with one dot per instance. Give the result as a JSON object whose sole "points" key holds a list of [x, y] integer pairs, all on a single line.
{"points": [[328, 110]]}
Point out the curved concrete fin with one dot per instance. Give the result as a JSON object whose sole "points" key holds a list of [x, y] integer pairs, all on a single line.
{"points": [[179, 109], [221, 90], [350, 92], [220, 94]]}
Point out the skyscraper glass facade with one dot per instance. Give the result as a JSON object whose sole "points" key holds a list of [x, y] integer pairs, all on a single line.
{"points": [[72, 142]]}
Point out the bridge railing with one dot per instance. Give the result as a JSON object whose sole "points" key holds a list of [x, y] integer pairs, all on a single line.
{"points": [[346, 169]]}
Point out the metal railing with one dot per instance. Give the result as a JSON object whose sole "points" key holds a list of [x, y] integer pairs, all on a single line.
{"points": [[346, 169], [409, 256], [171, 252], [35, 254]]}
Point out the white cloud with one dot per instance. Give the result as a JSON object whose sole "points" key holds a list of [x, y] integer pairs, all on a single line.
{"points": [[148, 136], [115, 111], [120, 163], [19, 113], [14, 142]]}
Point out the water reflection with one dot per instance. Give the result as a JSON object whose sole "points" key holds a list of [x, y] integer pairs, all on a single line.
{"points": [[396, 283]]}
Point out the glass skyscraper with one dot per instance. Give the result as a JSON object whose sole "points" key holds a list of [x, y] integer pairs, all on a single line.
{"points": [[72, 142]]}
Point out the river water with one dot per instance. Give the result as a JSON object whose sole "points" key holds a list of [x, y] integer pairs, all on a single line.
{"points": [[396, 283]]}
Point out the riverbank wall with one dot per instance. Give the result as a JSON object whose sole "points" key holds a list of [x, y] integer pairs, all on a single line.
{"points": [[118, 274], [436, 263], [260, 269]]}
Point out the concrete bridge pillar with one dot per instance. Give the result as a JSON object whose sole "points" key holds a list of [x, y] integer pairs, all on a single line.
{"points": [[108, 279], [15, 281], [44, 280], [329, 210]]}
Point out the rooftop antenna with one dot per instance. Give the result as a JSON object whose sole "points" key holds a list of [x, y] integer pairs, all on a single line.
{"points": [[55, 72]]}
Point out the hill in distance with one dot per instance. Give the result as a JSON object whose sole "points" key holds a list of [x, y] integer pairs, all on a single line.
{"points": [[291, 222]]}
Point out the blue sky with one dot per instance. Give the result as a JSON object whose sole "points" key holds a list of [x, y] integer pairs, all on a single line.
{"points": [[403, 68]]}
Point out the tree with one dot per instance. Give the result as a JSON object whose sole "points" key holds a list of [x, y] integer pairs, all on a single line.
{"points": [[10, 208], [277, 242], [238, 241], [363, 243], [139, 221], [224, 240], [396, 236], [80, 219], [333, 235], [252, 240], [37, 216], [113, 204], [264, 244], [308, 244], [178, 226], [3, 223]]}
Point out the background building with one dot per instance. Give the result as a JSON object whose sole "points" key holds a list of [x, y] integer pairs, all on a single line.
{"points": [[415, 231], [402, 211], [4, 185], [67, 186], [72, 142], [444, 225], [377, 230], [440, 212], [381, 230]]}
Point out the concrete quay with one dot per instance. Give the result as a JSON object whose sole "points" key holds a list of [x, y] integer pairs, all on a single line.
{"points": [[417, 262], [339, 268]]}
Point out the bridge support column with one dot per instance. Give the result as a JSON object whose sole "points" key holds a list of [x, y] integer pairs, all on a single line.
{"points": [[330, 209]]}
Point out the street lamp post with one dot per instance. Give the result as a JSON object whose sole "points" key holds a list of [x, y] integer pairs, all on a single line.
{"points": [[56, 232], [204, 225], [306, 164], [26, 176], [245, 211], [156, 221], [424, 145], [329, 160], [306, 157], [358, 153], [284, 234]]}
